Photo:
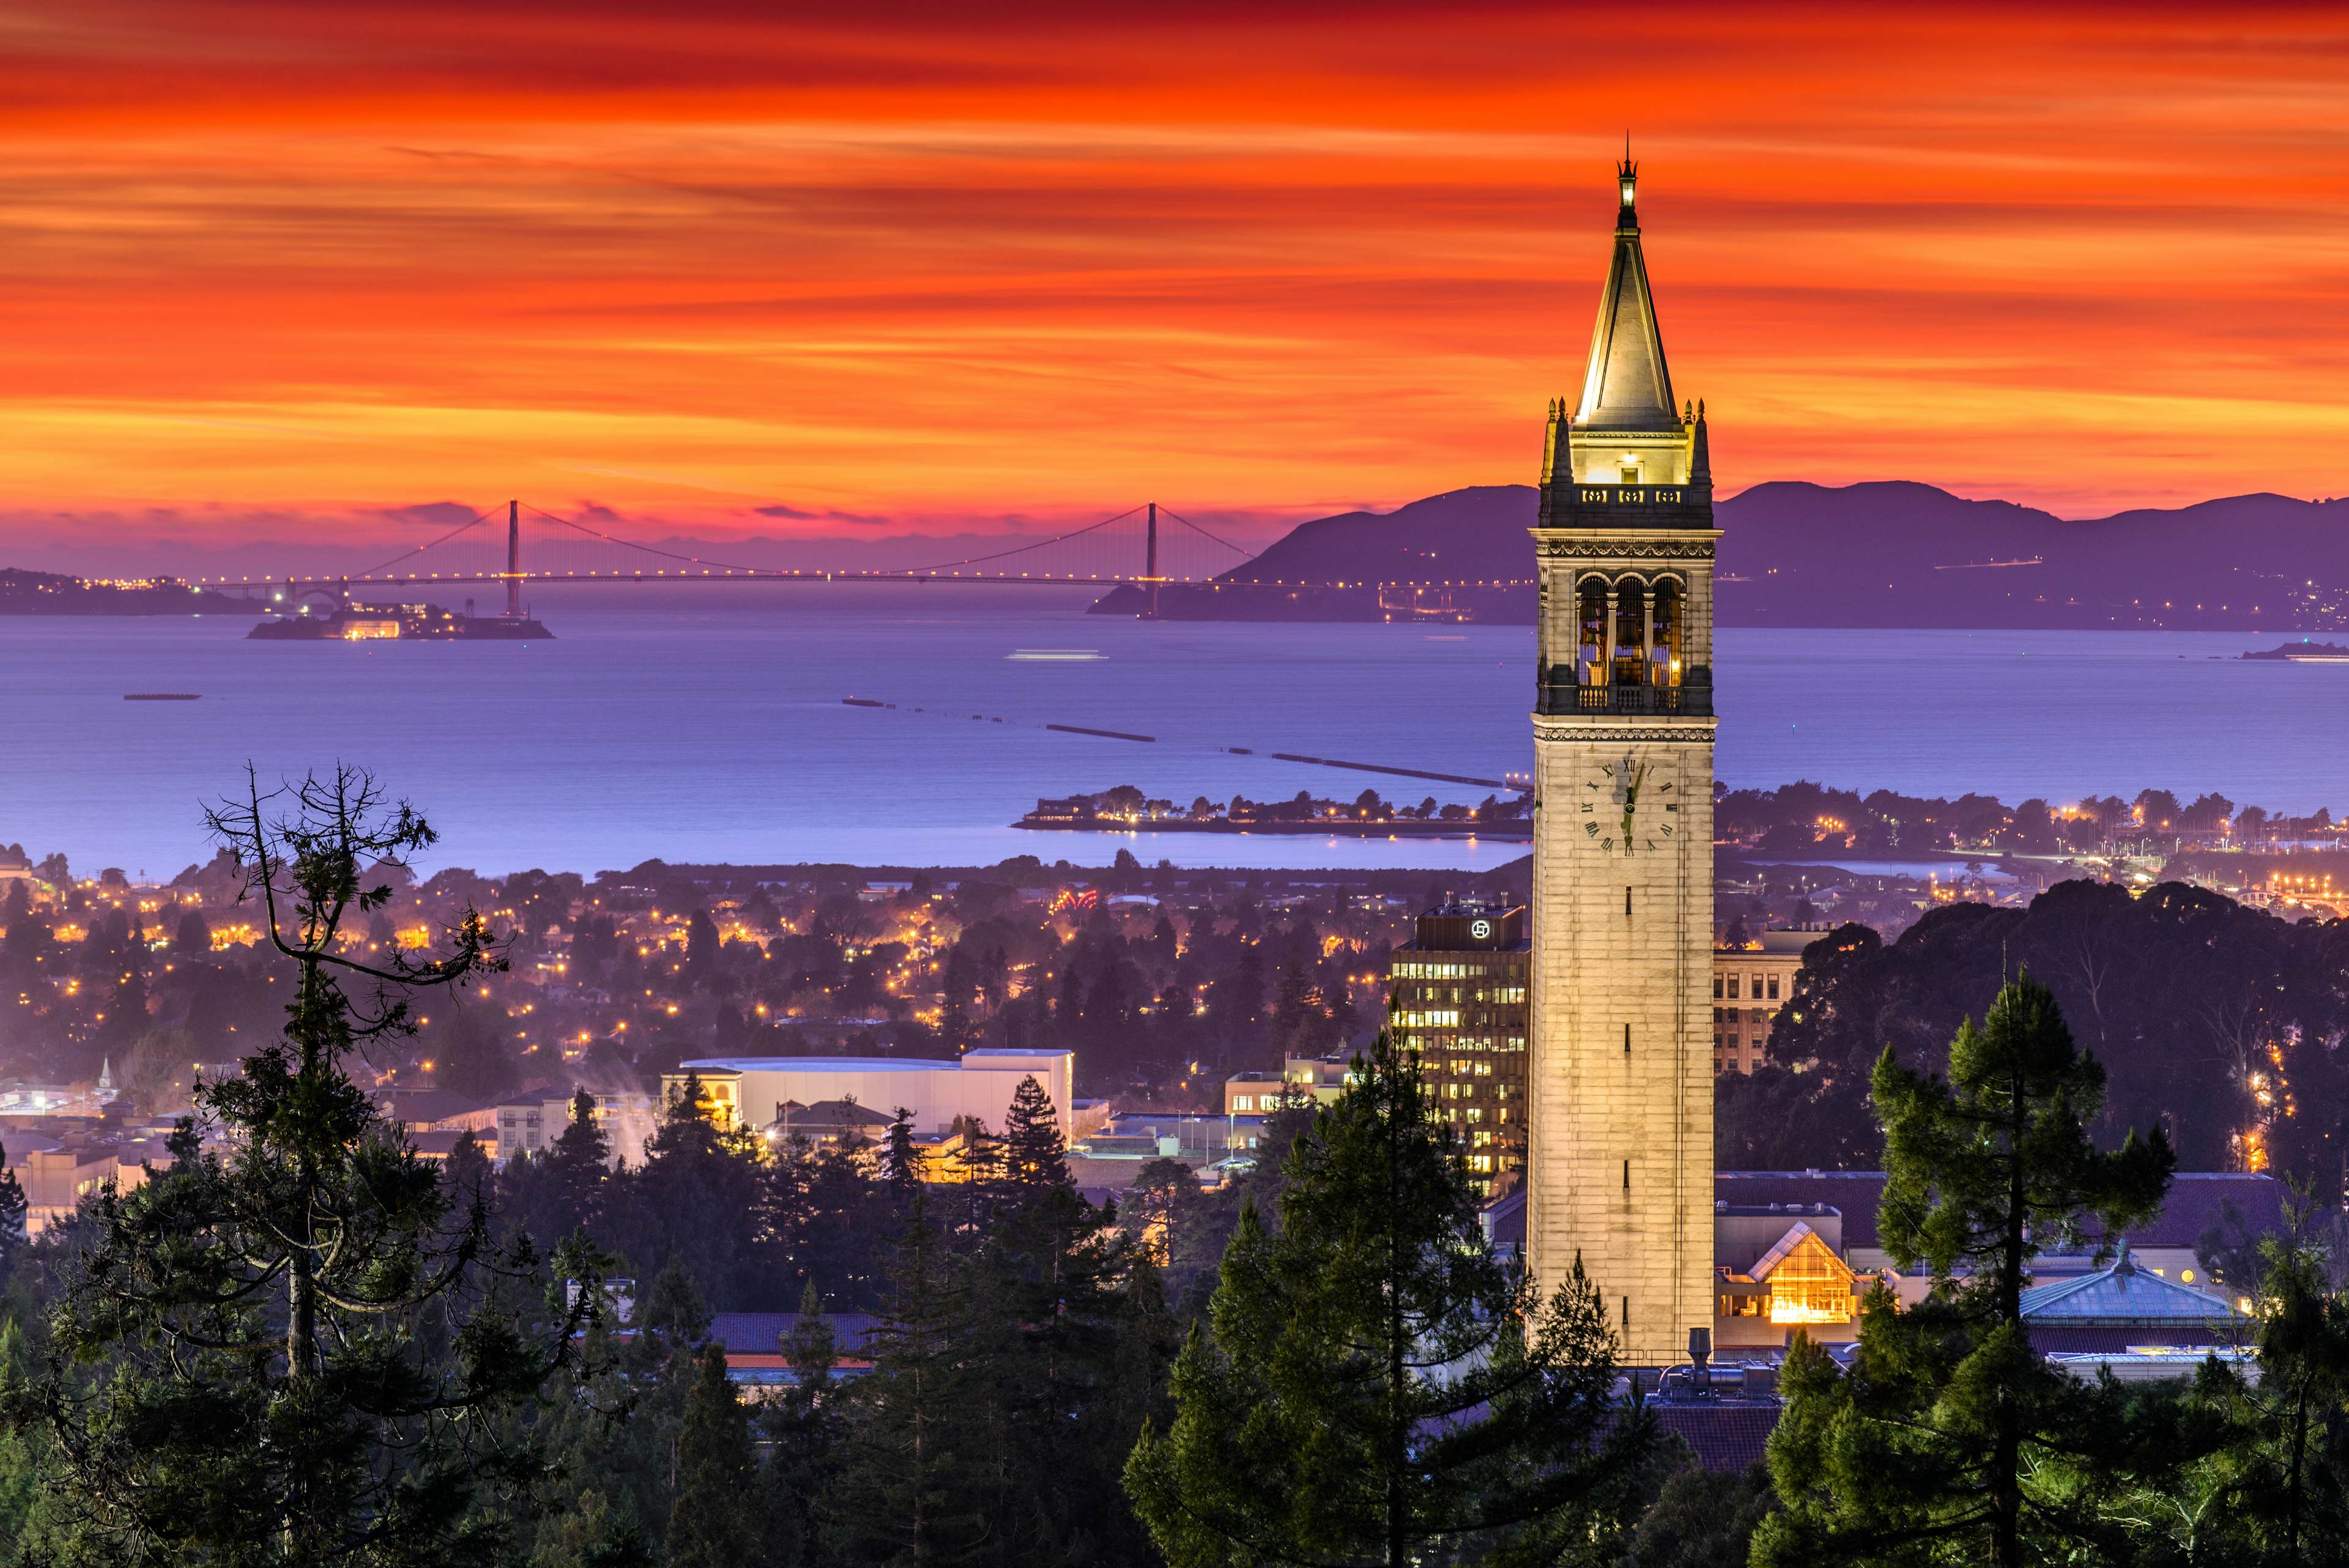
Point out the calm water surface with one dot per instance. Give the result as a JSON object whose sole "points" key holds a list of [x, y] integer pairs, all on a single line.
{"points": [[710, 726]]}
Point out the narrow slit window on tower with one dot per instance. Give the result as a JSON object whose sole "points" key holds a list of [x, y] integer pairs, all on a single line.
{"points": [[1627, 900], [1627, 1039], [1626, 1175], [1626, 1315]]}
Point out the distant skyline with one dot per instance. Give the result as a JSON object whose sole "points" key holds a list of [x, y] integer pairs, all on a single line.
{"points": [[729, 270]]}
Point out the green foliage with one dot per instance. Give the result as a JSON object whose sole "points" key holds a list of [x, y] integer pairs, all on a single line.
{"points": [[1950, 1440], [917, 1454], [714, 1518], [1018, 1354], [2183, 992], [1377, 1387], [1702, 1519], [1034, 1153]]}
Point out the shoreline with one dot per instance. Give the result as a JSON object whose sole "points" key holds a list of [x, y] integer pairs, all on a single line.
{"points": [[1507, 832]]}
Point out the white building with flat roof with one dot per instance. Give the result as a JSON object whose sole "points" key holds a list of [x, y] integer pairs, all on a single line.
{"points": [[937, 1090]]}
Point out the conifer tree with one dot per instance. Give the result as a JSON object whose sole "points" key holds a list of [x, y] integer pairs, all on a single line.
{"points": [[578, 1164], [804, 1428], [714, 1516], [903, 1168], [14, 1207], [595, 1533], [913, 1486], [294, 1351], [1049, 1289], [1376, 1385], [1035, 1155], [1927, 1450]]}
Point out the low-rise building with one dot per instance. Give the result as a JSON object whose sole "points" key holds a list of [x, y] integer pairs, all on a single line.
{"points": [[1317, 1079], [750, 1091], [1750, 985]]}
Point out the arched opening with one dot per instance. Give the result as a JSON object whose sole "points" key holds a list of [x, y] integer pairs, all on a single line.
{"points": [[1590, 637], [1629, 652], [1664, 638]]}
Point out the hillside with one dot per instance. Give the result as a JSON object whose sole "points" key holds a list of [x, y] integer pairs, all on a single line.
{"points": [[1891, 553]]}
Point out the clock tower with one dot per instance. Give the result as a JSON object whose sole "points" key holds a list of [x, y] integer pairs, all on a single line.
{"points": [[1620, 1064]]}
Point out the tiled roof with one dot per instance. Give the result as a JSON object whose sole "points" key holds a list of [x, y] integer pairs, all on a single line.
{"points": [[1724, 1437], [2122, 1295]]}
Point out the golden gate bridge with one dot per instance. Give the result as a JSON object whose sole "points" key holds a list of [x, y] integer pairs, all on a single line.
{"points": [[1129, 548]]}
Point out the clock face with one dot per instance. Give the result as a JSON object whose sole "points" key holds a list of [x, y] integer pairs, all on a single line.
{"points": [[1631, 806]]}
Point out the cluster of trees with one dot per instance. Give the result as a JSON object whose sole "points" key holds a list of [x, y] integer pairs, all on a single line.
{"points": [[2220, 1022], [1804, 817], [1947, 1439]]}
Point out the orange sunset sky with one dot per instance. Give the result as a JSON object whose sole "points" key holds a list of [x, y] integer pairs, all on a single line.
{"points": [[272, 265]]}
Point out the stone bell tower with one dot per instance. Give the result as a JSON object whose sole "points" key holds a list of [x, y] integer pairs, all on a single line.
{"points": [[1619, 1070]]}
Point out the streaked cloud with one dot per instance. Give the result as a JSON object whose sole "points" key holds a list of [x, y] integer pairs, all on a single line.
{"points": [[916, 262]]}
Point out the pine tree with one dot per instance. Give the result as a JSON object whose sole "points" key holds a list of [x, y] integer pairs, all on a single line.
{"points": [[698, 1189], [1377, 1385], [2292, 1500], [296, 1351], [594, 1534], [902, 1166], [13, 1210], [804, 1429], [913, 1486], [1929, 1449], [714, 1516], [579, 1162], [1035, 1155]]}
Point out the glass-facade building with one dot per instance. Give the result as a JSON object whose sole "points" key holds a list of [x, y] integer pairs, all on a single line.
{"points": [[1456, 1000]]}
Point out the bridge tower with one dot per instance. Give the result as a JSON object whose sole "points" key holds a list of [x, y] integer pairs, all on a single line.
{"points": [[513, 559], [1150, 567]]}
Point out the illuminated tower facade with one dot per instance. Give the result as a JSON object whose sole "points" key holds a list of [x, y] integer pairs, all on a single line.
{"points": [[1620, 1063]]}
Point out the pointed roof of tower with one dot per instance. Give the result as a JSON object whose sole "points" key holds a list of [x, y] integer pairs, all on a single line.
{"points": [[1627, 386]]}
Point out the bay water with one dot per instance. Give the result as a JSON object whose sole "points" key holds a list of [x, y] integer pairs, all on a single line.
{"points": [[706, 724]]}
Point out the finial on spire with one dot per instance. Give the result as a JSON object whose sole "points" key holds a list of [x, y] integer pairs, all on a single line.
{"points": [[1627, 175]]}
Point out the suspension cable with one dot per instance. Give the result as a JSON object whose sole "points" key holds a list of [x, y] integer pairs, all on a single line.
{"points": [[420, 549], [1023, 549], [1242, 553]]}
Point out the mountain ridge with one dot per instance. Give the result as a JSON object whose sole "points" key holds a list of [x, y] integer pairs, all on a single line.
{"points": [[1876, 553]]}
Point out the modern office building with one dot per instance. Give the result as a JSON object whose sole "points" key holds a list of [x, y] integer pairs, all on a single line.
{"points": [[1620, 1078], [1456, 1000]]}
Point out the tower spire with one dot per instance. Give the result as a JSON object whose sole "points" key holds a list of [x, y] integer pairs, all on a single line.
{"points": [[1627, 386]]}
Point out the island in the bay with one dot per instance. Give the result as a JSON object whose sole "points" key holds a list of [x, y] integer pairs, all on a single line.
{"points": [[352, 622], [2305, 652], [1126, 810]]}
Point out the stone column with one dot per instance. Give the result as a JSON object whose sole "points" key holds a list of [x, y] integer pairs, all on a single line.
{"points": [[1607, 639]]}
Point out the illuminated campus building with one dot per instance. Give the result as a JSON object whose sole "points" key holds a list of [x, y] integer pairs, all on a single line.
{"points": [[1456, 1000], [1620, 1064]]}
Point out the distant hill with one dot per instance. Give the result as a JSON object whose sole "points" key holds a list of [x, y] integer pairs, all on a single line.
{"points": [[1892, 553]]}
